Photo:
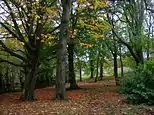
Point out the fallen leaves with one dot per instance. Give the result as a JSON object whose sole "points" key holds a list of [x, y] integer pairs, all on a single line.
{"points": [[99, 98]]}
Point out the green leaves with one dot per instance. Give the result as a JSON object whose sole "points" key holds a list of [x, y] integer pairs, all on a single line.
{"points": [[139, 86]]}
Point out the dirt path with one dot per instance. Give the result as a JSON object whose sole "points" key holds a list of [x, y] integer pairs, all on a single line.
{"points": [[101, 98]]}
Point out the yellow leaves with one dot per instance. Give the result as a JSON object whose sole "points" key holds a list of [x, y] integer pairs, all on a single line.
{"points": [[94, 25], [97, 36], [51, 11], [88, 26], [82, 23], [103, 27], [14, 44], [48, 39], [86, 45], [100, 4], [82, 1], [22, 44], [37, 17]]}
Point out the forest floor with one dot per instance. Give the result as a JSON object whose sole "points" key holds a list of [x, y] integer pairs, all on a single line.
{"points": [[101, 98]]}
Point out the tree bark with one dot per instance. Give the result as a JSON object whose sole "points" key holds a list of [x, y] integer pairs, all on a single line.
{"points": [[101, 68], [1, 83], [114, 53], [33, 59], [91, 69], [62, 51], [97, 67], [80, 69], [121, 62], [115, 69], [80, 72], [30, 80], [72, 80]]}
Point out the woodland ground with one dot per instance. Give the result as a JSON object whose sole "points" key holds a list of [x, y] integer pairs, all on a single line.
{"points": [[101, 98]]}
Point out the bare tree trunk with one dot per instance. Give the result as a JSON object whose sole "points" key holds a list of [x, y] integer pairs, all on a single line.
{"points": [[30, 81], [1, 84], [72, 80], [97, 66], [31, 71], [91, 69], [121, 63], [80, 69], [62, 51], [101, 68], [116, 69]]}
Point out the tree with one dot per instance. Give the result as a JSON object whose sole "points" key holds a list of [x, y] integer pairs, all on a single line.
{"points": [[71, 47], [132, 22], [62, 50], [25, 21]]}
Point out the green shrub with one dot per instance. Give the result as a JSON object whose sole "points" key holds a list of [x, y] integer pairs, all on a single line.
{"points": [[139, 85]]}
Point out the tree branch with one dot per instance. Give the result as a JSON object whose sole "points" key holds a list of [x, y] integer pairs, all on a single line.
{"points": [[14, 22], [9, 62], [9, 30], [11, 52]]}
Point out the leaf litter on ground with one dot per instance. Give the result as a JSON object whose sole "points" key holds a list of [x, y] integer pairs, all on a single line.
{"points": [[100, 98]]}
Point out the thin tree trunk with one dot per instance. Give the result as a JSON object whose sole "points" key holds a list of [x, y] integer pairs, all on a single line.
{"points": [[62, 51], [121, 63], [72, 80], [80, 68], [97, 66], [115, 62], [115, 69], [148, 42], [21, 82], [101, 68], [1, 83], [91, 69]]}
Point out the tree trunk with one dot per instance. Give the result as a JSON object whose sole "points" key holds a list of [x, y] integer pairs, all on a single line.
{"points": [[1, 83], [21, 82], [30, 81], [31, 71], [61, 70], [101, 68], [114, 53], [148, 49], [97, 67], [91, 69], [62, 51], [72, 80], [80, 69], [138, 19], [148, 41], [139, 54], [115, 69], [121, 63]]}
